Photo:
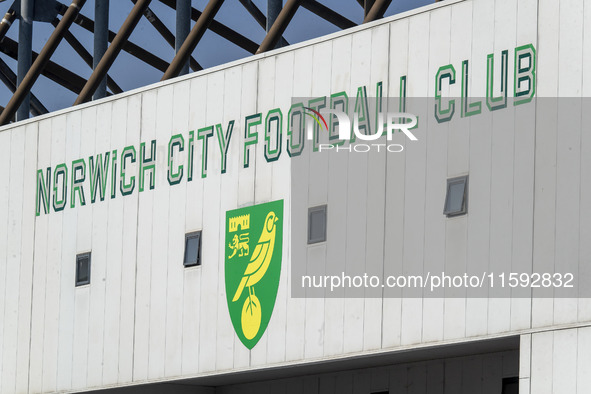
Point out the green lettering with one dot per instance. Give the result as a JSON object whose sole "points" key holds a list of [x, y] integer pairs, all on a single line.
{"points": [[148, 165], [224, 141], [98, 176], [42, 190], [274, 117], [500, 102], [61, 171], [250, 137], [441, 114], [203, 134], [127, 188], [175, 176], [78, 178]]}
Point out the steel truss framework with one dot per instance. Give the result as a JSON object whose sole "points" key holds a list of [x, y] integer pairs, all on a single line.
{"points": [[185, 42]]}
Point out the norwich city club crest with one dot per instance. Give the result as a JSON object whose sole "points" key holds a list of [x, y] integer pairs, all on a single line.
{"points": [[254, 238]]}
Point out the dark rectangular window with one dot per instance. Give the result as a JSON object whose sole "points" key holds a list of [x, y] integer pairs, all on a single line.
{"points": [[317, 224], [192, 249], [456, 198], [83, 269]]}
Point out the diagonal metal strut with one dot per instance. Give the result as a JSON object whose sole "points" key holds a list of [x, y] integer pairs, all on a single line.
{"points": [[40, 62], [220, 29], [129, 47], [166, 34], [197, 32], [261, 19], [112, 52], [278, 28], [8, 77], [329, 15], [377, 10], [86, 56]]}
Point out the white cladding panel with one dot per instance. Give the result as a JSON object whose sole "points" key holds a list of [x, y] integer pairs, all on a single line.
{"points": [[146, 317], [556, 361]]}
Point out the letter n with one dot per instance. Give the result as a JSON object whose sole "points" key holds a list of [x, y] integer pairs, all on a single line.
{"points": [[43, 191]]}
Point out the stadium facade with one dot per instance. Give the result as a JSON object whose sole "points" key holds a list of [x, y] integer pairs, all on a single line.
{"points": [[191, 202]]}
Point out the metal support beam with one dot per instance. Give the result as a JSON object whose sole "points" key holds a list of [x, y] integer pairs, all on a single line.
{"points": [[167, 34], [87, 57], [327, 14], [8, 77], [254, 11], [279, 26], [183, 26], [129, 47], [6, 23], [273, 9], [101, 41], [377, 10], [114, 49], [261, 19], [193, 39], [25, 48], [367, 4], [41, 61], [53, 71], [221, 30], [2, 110]]}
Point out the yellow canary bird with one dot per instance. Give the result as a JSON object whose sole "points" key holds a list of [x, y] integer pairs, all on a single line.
{"points": [[261, 257]]}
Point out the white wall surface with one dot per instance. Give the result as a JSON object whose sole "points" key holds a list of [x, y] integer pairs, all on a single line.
{"points": [[145, 317], [556, 361]]}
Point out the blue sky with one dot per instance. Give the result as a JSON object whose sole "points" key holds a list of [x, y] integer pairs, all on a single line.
{"points": [[213, 50]]}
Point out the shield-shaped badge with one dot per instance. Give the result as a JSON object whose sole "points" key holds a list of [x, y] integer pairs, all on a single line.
{"points": [[254, 240]]}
